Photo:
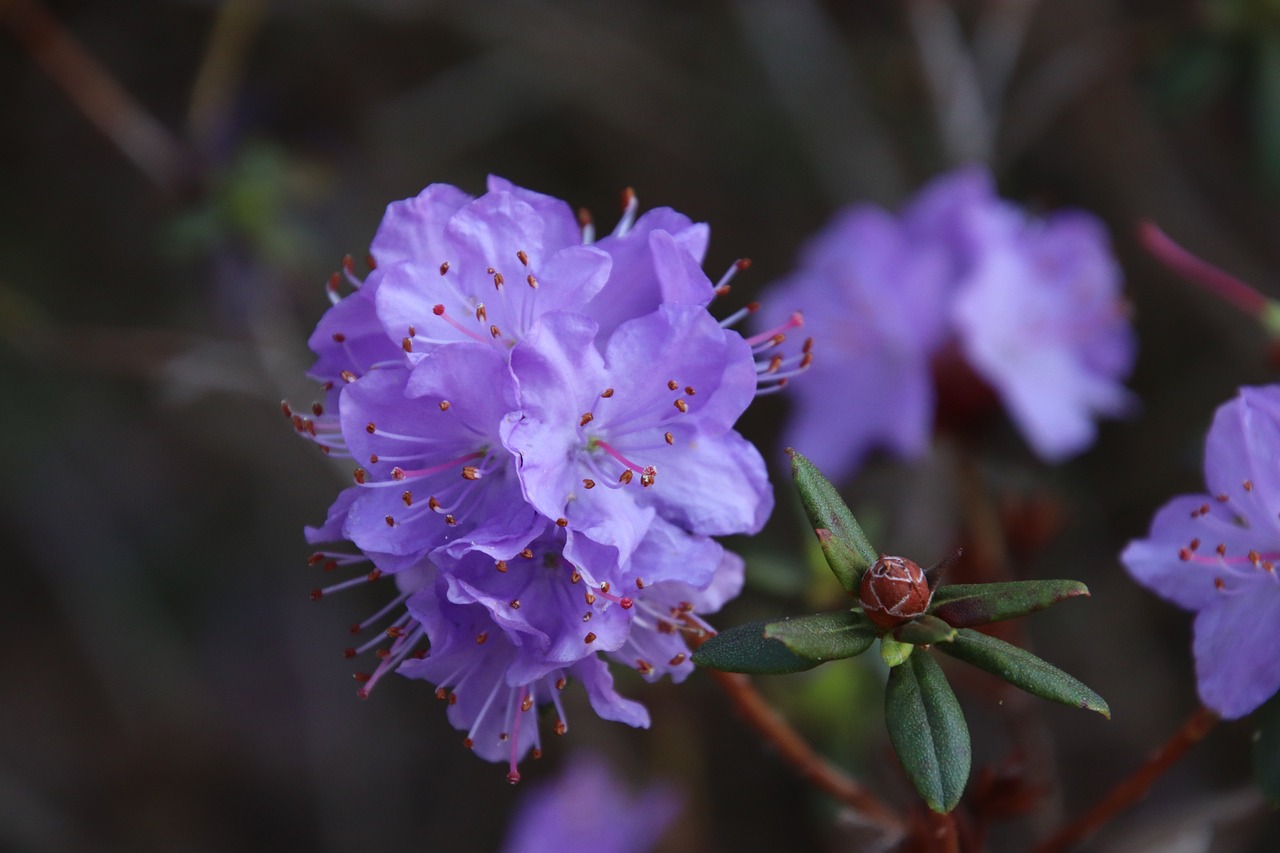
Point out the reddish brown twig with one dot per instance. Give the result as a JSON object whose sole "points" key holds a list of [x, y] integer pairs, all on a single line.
{"points": [[793, 749], [148, 144], [1132, 789], [1198, 271]]}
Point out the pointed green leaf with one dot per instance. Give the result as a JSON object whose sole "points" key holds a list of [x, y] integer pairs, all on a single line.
{"points": [[1023, 670], [969, 604], [894, 653], [1266, 749], [928, 731], [744, 648], [843, 543], [824, 636], [924, 631]]}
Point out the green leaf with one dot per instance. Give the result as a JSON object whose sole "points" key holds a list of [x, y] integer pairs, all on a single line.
{"points": [[1023, 670], [1266, 749], [744, 648], [894, 653], [924, 631], [824, 636], [928, 731], [845, 546], [969, 604]]}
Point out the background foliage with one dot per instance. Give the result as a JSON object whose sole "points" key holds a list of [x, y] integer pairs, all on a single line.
{"points": [[168, 685]]}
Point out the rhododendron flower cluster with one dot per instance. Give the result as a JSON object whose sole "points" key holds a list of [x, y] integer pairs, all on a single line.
{"points": [[960, 285], [541, 431], [1217, 553]]}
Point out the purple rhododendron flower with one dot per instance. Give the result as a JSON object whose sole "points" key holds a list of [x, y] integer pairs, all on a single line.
{"points": [[586, 810], [542, 431], [1030, 306], [1216, 554]]}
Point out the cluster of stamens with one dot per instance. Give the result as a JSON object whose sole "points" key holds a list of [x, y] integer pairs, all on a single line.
{"points": [[1235, 566], [773, 368]]}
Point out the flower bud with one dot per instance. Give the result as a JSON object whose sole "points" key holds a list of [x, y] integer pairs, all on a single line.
{"points": [[894, 590]]}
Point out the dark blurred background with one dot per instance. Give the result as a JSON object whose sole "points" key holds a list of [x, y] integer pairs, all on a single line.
{"points": [[180, 178]]}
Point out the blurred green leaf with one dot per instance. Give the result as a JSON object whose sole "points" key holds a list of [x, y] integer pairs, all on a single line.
{"points": [[745, 649], [1023, 670], [824, 636], [965, 605], [843, 543], [1266, 749], [924, 631], [928, 731]]}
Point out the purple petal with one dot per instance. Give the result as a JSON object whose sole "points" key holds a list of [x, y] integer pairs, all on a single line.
{"points": [[1237, 668], [559, 222], [1194, 527], [350, 338], [605, 701], [550, 819], [716, 486], [873, 301], [1031, 314], [558, 375], [1242, 458], [424, 451], [413, 229], [658, 261], [331, 530]]}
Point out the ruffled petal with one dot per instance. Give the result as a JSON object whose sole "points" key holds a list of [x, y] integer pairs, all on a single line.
{"points": [[413, 229], [658, 260]]}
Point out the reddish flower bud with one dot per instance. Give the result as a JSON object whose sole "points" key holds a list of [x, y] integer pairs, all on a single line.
{"points": [[894, 590]]}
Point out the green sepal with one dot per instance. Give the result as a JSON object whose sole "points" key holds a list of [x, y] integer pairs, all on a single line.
{"points": [[1266, 749], [924, 631], [1023, 670], [928, 731], [894, 653], [744, 648], [964, 605], [824, 636], [845, 546]]}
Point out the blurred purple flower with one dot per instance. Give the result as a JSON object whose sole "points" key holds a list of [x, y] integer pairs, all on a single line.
{"points": [[586, 810], [1216, 554], [1030, 307], [542, 431]]}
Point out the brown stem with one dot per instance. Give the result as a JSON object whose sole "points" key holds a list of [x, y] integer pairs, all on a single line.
{"points": [[1199, 271], [1131, 790], [943, 837], [796, 751], [991, 552], [160, 155]]}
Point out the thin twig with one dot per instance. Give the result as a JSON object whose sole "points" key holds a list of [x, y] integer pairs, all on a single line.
{"points": [[1132, 789], [1198, 271], [997, 45], [223, 68], [952, 77], [800, 755], [147, 143]]}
